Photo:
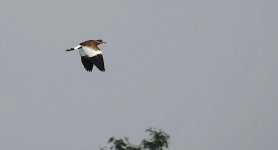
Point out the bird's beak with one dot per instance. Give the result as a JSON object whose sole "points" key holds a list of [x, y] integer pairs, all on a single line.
{"points": [[104, 42]]}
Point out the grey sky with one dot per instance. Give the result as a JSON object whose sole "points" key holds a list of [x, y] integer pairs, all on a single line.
{"points": [[203, 71]]}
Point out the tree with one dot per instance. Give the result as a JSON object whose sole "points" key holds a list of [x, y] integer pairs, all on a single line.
{"points": [[158, 140]]}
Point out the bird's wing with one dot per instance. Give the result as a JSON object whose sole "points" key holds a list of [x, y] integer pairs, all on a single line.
{"points": [[87, 63], [99, 62]]}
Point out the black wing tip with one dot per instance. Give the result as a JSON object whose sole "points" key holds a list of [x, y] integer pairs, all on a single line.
{"points": [[88, 70], [92, 70]]}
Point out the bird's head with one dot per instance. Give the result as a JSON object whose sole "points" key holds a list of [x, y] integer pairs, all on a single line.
{"points": [[99, 41]]}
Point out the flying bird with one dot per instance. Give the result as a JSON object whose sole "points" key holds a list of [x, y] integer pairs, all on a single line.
{"points": [[90, 54]]}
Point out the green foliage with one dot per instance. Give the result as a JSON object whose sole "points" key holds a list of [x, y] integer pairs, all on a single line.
{"points": [[158, 140]]}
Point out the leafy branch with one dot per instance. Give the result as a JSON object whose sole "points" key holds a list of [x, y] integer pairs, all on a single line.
{"points": [[158, 140]]}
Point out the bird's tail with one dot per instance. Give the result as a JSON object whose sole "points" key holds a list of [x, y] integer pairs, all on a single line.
{"points": [[71, 49]]}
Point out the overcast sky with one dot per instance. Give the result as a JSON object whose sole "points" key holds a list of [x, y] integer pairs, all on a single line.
{"points": [[203, 71]]}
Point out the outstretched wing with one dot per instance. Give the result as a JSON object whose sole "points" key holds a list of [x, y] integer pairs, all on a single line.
{"points": [[99, 62], [89, 62]]}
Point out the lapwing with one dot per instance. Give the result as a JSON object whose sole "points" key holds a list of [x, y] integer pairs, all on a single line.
{"points": [[90, 54]]}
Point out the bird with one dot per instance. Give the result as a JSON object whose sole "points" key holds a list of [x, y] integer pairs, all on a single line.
{"points": [[91, 54]]}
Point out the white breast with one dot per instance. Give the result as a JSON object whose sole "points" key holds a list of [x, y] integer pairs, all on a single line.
{"points": [[86, 51]]}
